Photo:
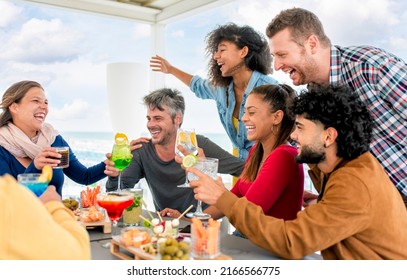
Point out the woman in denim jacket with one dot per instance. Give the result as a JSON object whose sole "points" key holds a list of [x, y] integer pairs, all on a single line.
{"points": [[239, 61]]}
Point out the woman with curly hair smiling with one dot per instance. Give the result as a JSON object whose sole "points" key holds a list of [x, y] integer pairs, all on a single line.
{"points": [[239, 61]]}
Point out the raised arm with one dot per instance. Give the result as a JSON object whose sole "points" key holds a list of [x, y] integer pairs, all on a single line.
{"points": [[159, 64]]}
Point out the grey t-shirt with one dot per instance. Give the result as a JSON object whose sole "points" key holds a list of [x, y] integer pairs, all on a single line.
{"points": [[163, 176]]}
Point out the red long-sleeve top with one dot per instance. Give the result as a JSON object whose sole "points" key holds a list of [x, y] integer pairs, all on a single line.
{"points": [[278, 187]]}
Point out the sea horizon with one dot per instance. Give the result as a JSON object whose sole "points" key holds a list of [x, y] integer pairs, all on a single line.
{"points": [[91, 148]]}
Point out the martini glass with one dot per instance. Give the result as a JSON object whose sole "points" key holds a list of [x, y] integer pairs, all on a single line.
{"points": [[114, 203], [187, 139], [30, 180], [209, 166]]}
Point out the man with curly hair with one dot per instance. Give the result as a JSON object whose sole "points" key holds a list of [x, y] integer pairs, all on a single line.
{"points": [[301, 49], [359, 213]]}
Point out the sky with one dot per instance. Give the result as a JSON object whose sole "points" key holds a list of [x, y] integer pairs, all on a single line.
{"points": [[68, 51]]}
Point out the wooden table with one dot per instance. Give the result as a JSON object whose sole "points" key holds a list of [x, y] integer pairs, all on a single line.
{"points": [[235, 247]]}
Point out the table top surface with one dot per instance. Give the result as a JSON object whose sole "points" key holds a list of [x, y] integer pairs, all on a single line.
{"points": [[236, 247]]}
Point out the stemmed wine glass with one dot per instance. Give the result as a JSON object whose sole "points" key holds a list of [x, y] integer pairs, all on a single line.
{"points": [[208, 166], [121, 155], [187, 139], [114, 203]]}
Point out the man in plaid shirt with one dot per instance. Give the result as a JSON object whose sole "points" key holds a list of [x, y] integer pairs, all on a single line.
{"points": [[301, 49]]}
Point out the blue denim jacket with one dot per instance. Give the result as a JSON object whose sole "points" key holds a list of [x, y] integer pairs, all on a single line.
{"points": [[204, 90]]}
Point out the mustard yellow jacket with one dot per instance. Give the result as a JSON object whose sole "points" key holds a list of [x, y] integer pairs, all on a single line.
{"points": [[360, 215], [31, 230]]}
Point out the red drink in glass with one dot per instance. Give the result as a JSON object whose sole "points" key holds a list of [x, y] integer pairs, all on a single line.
{"points": [[115, 203]]}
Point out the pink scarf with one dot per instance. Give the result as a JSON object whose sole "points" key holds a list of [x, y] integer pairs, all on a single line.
{"points": [[19, 144]]}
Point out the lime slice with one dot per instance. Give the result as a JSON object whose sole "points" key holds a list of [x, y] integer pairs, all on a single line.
{"points": [[189, 160]]}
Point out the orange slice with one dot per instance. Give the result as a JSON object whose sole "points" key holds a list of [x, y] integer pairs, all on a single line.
{"points": [[121, 139], [46, 174], [193, 139], [183, 137]]}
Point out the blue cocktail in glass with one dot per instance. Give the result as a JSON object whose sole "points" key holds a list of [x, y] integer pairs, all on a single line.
{"points": [[30, 180]]}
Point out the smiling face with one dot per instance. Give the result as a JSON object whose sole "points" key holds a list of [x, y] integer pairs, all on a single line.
{"points": [[229, 58], [30, 113], [292, 58], [162, 127], [308, 136], [258, 119]]}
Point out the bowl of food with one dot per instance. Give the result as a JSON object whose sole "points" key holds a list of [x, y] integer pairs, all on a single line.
{"points": [[135, 236], [165, 228], [173, 248]]}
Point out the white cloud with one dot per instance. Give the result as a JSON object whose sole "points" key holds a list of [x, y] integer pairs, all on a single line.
{"points": [[178, 34], [141, 31], [399, 44], [97, 118], [42, 41], [68, 54], [75, 109], [9, 13], [258, 13], [367, 22], [346, 22]]}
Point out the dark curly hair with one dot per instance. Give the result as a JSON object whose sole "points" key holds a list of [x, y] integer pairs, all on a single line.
{"points": [[258, 57], [338, 107]]}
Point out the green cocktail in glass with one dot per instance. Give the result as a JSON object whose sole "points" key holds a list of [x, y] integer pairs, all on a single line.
{"points": [[121, 154]]}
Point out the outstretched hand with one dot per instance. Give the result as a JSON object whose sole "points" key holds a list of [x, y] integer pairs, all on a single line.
{"points": [[159, 64]]}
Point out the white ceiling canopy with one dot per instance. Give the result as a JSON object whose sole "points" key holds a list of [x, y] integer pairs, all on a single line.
{"points": [[146, 11], [157, 13]]}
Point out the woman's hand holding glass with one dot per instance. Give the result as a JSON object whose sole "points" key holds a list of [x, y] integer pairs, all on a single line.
{"points": [[110, 170], [47, 156]]}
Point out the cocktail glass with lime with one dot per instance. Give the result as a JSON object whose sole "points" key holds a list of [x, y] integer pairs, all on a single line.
{"points": [[187, 139], [121, 155]]}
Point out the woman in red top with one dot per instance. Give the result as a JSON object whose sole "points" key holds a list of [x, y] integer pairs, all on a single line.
{"points": [[271, 178]]}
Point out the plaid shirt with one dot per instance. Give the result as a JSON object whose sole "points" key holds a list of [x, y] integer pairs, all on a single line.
{"points": [[380, 79]]}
